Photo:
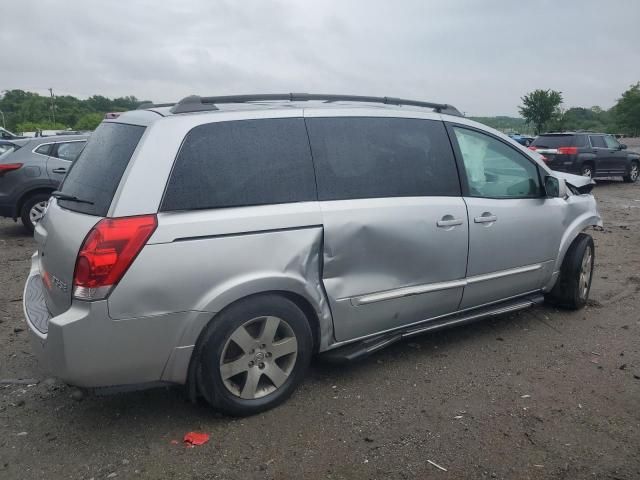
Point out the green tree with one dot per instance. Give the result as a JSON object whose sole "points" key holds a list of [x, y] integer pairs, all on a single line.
{"points": [[540, 107], [35, 126], [627, 111], [89, 121]]}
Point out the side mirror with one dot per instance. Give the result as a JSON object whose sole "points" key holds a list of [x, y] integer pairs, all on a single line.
{"points": [[623, 146], [554, 187]]}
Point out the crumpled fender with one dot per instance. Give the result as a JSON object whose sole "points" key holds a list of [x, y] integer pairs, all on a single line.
{"points": [[576, 181]]}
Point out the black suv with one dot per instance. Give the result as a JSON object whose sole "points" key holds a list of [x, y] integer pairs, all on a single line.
{"points": [[589, 154]]}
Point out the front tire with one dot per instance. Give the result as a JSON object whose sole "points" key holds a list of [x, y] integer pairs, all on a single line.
{"points": [[574, 284], [33, 209], [254, 354], [587, 170], [634, 173]]}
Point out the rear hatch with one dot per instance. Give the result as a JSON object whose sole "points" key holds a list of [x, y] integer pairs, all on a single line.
{"points": [[557, 148], [88, 191]]}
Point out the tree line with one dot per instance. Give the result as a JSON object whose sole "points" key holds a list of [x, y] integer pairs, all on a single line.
{"points": [[27, 111], [541, 111]]}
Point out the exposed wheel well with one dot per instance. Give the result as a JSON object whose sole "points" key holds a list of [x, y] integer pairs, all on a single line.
{"points": [[28, 194]]}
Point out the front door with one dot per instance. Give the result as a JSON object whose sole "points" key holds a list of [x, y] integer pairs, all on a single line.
{"points": [[617, 156], [514, 231], [395, 225]]}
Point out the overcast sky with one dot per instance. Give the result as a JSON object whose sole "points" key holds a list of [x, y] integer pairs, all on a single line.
{"points": [[480, 56]]}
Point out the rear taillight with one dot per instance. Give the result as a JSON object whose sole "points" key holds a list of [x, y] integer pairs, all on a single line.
{"points": [[107, 252], [8, 167], [567, 150]]}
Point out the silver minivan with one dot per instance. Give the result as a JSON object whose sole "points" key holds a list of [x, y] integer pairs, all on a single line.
{"points": [[221, 242]]}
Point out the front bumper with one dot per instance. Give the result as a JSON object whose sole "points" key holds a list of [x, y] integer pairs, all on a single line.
{"points": [[85, 347]]}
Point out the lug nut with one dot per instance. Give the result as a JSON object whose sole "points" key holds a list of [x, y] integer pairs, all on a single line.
{"points": [[251, 363], [262, 346], [261, 365], [268, 355]]}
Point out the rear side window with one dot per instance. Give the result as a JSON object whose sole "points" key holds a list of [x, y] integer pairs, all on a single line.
{"points": [[597, 141], [69, 150], [95, 175], [44, 149], [362, 157], [241, 163], [554, 141]]}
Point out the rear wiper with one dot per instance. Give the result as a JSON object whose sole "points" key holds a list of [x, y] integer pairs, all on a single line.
{"points": [[71, 198]]}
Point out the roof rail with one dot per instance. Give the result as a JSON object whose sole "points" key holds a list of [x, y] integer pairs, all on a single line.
{"points": [[195, 103], [145, 105]]}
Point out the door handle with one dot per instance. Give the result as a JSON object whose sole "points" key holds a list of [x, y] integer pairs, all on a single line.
{"points": [[486, 217], [449, 221], [59, 170]]}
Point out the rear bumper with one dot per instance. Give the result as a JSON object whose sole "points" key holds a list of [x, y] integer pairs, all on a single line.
{"points": [[85, 347]]}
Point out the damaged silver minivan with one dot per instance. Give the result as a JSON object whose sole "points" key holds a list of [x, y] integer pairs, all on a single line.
{"points": [[221, 242]]}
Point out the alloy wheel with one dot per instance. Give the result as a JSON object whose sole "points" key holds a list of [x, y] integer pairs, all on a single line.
{"points": [[587, 172], [258, 357], [635, 170], [585, 273], [37, 212]]}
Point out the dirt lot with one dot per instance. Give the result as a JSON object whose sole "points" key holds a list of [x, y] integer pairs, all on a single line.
{"points": [[539, 394]]}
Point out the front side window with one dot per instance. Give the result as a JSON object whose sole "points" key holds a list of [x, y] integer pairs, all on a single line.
{"points": [[612, 143], [69, 151], [597, 141], [371, 157], [495, 170], [242, 163]]}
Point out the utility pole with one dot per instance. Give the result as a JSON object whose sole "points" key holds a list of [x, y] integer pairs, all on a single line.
{"points": [[53, 105], [3, 124]]}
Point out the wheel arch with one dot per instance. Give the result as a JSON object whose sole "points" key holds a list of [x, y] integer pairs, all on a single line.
{"points": [[578, 226], [301, 300], [28, 194]]}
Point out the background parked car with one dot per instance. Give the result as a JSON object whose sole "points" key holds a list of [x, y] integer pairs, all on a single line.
{"points": [[30, 169], [589, 154], [7, 135], [525, 140]]}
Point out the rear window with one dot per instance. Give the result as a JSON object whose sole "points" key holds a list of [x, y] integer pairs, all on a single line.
{"points": [[96, 173], [242, 163], [555, 141], [364, 157]]}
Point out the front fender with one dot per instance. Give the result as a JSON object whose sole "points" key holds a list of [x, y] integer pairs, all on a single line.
{"points": [[583, 212]]}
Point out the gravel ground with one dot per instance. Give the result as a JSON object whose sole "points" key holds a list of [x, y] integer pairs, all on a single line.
{"points": [[538, 394]]}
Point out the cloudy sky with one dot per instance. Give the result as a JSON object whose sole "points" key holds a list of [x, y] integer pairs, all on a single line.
{"points": [[480, 56]]}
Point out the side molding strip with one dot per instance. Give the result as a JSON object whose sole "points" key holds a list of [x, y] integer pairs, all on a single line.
{"points": [[434, 287]]}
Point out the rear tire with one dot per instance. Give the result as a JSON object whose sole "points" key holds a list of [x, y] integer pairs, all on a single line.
{"points": [[574, 284], [254, 354], [634, 172], [33, 209]]}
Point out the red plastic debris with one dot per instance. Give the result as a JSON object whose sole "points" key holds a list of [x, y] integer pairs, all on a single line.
{"points": [[196, 438], [174, 442]]}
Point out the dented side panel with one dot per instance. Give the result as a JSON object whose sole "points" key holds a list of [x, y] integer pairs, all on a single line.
{"points": [[383, 245], [220, 256]]}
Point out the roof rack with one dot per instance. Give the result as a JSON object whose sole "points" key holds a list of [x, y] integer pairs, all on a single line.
{"points": [[145, 105], [195, 103]]}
